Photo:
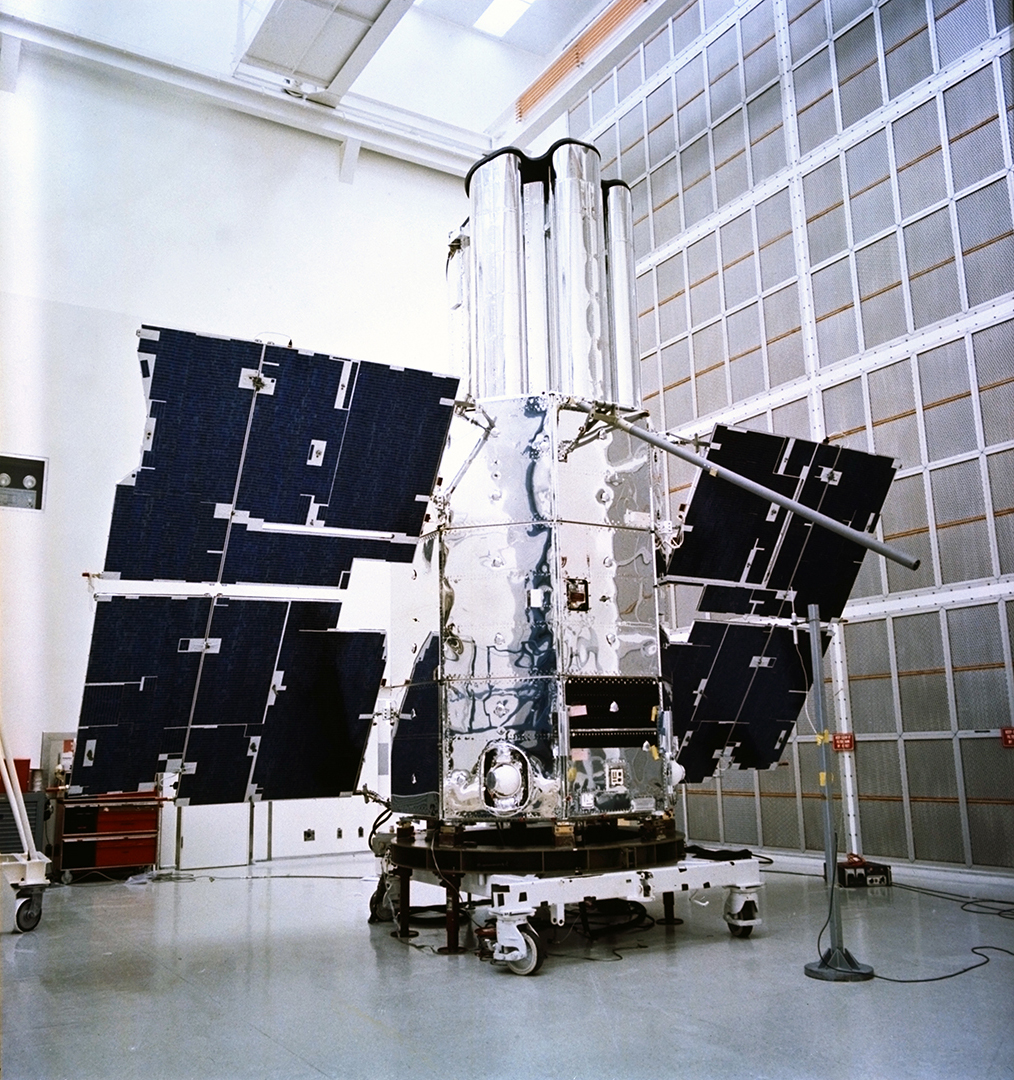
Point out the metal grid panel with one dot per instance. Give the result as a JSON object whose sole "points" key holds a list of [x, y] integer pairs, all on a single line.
{"points": [[793, 419], [987, 242], [774, 240], [988, 770], [919, 157], [767, 133], [881, 811], [947, 401], [932, 268], [992, 349], [783, 329], [779, 816], [686, 27], [807, 26], [892, 410], [973, 129], [739, 264], [959, 27], [661, 126], [858, 72], [1000, 468], [724, 78], [980, 680], [825, 211], [815, 117], [871, 203], [907, 55], [844, 414], [760, 50], [922, 677], [702, 811], [962, 530], [739, 813], [881, 299]]}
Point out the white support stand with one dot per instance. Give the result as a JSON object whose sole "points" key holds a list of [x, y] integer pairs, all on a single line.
{"points": [[514, 898], [24, 876]]}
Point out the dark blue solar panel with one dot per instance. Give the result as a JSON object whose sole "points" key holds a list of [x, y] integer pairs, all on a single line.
{"points": [[200, 413], [743, 540], [736, 692], [175, 537], [396, 431], [415, 749], [237, 677], [241, 435], [282, 470], [315, 734], [138, 689], [221, 759], [303, 559]]}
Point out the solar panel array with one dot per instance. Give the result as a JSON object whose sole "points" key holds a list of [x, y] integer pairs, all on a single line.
{"points": [[737, 687], [261, 465]]}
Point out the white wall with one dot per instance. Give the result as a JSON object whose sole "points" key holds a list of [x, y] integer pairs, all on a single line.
{"points": [[123, 202]]}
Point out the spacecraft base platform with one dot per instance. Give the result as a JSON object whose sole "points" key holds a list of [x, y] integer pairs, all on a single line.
{"points": [[541, 870]]}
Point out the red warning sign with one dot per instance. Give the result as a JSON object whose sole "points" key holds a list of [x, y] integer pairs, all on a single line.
{"points": [[843, 740], [1007, 737]]}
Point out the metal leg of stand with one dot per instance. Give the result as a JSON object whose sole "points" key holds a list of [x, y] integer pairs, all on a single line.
{"points": [[404, 906], [837, 964], [669, 905], [452, 882]]}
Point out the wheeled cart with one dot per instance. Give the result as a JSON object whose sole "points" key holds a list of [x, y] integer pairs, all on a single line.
{"points": [[543, 871]]}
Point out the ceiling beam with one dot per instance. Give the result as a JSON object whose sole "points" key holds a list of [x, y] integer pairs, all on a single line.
{"points": [[381, 128], [363, 53]]}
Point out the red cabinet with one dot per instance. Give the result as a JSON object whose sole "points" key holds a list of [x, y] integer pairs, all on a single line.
{"points": [[105, 832]]}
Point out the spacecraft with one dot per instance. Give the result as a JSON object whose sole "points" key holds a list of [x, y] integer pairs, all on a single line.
{"points": [[544, 713]]}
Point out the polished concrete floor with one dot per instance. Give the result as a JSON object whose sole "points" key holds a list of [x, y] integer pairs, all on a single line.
{"points": [[276, 974]]}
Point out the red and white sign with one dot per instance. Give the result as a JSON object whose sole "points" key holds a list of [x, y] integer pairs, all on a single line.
{"points": [[1007, 737], [843, 740]]}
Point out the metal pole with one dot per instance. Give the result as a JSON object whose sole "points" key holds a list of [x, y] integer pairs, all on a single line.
{"points": [[837, 964], [805, 512]]}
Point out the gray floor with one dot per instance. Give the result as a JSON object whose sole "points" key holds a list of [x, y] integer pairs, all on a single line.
{"points": [[231, 975]]}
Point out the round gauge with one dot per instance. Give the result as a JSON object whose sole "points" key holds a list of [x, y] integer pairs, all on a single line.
{"points": [[29, 481], [5, 479]]}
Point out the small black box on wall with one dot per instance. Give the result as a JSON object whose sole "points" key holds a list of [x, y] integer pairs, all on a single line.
{"points": [[22, 482]]}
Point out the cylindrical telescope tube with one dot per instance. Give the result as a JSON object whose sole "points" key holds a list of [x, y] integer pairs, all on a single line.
{"points": [[579, 263], [498, 286], [536, 291], [622, 300]]}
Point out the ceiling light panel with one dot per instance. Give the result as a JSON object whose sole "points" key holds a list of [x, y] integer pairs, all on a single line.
{"points": [[501, 15]]}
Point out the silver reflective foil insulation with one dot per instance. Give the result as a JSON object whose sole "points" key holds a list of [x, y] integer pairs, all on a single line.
{"points": [[542, 680]]}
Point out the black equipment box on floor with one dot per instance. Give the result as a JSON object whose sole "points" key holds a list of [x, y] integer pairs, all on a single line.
{"points": [[863, 874]]}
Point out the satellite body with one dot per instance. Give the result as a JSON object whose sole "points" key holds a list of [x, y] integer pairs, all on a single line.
{"points": [[542, 683]]}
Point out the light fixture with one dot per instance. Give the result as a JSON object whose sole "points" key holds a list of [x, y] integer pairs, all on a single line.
{"points": [[500, 16]]}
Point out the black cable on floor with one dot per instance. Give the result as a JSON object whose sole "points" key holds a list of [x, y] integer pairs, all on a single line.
{"points": [[979, 950], [1003, 908]]}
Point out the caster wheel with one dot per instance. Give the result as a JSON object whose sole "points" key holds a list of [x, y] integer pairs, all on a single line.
{"points": [[25, 919], [748, 911], [535, 953]]}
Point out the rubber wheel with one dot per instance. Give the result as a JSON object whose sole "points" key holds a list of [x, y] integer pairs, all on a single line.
{"points": [[535, 953], [748, 911], [24, 919]]}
